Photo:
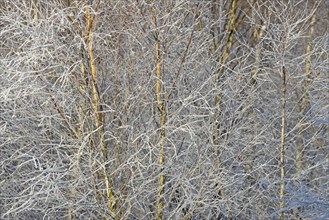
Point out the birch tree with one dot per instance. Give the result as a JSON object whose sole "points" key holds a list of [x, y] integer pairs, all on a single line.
{"points": [[164, 109]]}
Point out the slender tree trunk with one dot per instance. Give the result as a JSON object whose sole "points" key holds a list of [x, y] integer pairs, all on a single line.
{"points": [[98, 115], [162, 111], [283, 127], [283, 141]]}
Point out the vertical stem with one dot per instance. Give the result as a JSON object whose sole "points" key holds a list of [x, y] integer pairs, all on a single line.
{"points": [[230, 28], [93, 70], [98, 115], [283, 127], [304, 102], [213, 27], [198, 18], [282, 145], [162, 111]]}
